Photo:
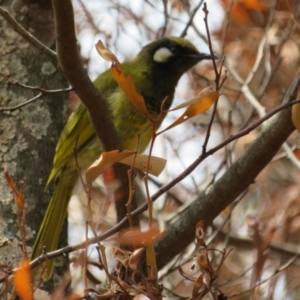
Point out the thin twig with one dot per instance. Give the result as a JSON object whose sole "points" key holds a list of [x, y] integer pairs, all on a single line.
{"points": [[276, 272], [89, 18], [166, 17], [13, 108], [190, 21], [217, 80], [39, 89], [35, 88]]}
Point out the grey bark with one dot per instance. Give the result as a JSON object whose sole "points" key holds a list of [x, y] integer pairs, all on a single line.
{"points": [[27, 136]]}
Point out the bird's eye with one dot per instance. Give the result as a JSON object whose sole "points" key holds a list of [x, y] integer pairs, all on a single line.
{"points": [[174, 50]]}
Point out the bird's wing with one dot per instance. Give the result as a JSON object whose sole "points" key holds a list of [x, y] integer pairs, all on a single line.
{"points": [[79, 125]]}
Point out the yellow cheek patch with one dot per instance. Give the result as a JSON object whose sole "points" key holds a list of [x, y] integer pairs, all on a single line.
{"points": [[162, 55]]}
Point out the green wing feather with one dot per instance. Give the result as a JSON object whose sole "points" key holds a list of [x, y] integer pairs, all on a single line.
{"points": [[49, 232], [79, 125]]}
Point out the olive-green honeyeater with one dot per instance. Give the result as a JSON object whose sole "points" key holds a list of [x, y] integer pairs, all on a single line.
{"points": [[155, 72]]}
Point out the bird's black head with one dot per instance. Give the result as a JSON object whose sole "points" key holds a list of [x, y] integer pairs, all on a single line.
{"points": [[159, 66], [173, 54]]}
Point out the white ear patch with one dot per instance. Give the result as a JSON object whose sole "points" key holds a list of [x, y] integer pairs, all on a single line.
{"points": [[162, 55]]}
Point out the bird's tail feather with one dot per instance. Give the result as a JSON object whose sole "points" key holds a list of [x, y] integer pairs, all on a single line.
{"points": [[53, 221]]}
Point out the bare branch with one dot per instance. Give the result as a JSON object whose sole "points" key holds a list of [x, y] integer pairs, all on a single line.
{"points": [[190, 21]]}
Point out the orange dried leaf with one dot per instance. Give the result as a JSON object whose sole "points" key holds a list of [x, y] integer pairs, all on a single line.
{"points": [[205, 101], [124, 286], [123, 80], [297, 153], [204, 93], [105, 52], [120, 253], [255, 4], [22, 281], [140, 161], [135, 258], [203, 261], [198, 283], [106, 160], [137, 237], [200, 233], [240, 14], [18, 196], [126, 84], [109, 176], [122, 256]]}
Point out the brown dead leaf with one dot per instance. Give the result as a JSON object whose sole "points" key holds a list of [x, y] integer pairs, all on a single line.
{"points": [[122, 257], [127, 85], [137, 237], [105, 161], [105, 52], [135, 258], [124, 81], [255, 4], [203, 261], [156, 164], [200, 233], [197, 106], [18, 196], [198, 283], [204, 93]]}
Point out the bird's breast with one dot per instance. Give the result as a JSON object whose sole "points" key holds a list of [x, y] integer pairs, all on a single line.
{"points": [[134, 129]]}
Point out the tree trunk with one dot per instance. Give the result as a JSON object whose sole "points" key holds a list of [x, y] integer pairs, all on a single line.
{"points": [[28, 135]]}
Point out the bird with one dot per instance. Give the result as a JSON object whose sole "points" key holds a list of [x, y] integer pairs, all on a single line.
{"points": [[155, 71]]}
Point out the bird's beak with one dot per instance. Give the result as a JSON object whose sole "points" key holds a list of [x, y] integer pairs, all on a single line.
{"points": [[202, 56]]}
